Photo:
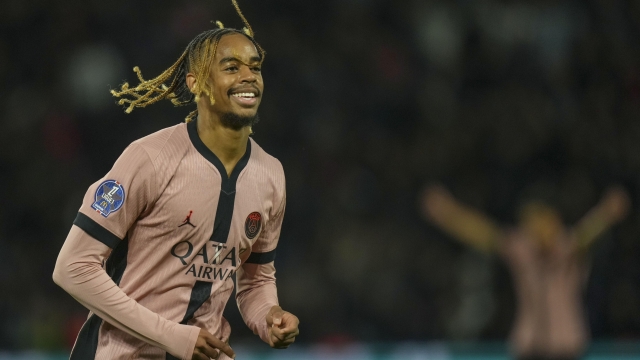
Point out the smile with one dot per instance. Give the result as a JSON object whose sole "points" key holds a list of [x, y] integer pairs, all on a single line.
{"points": [[245, 95], [245, 98]]}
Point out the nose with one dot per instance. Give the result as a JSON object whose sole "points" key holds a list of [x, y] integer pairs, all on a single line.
{"points": [[246, 75]]}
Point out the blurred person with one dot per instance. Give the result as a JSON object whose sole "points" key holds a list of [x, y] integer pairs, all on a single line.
{"points": [[547, 261], [157, 240]]}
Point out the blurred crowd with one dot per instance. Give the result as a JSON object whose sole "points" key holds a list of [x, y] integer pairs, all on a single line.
{"points": [[366, 102]]}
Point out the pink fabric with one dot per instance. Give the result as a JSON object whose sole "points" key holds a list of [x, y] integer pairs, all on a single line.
{"points": [[79, 271], [550, 317], [256, 295], [167, 181]]}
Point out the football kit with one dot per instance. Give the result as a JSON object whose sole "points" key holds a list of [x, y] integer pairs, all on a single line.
{"points": [[157, 241]]}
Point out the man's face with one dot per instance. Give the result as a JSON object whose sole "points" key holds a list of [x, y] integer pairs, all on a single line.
{"points": [[236, 79]]}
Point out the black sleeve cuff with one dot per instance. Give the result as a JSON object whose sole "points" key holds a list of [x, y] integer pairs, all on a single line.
{"points": [[96, 231], [262, 258]]}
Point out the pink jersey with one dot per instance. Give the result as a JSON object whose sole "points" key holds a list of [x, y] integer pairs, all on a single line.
{"points": [[180, 229], [549, 318]]}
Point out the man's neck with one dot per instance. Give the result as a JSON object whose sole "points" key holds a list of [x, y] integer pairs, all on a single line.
{"points": [[227, 144]]}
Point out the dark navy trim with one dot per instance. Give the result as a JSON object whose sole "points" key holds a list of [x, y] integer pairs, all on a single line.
{"points": [[228, 182], [226, 201], [117, 262], [87, 341], [224, 213], [200, 292], [96, 230], [262, 258]]}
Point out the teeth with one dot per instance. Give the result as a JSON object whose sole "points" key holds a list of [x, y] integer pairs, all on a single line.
{"points": [[245, 95]]}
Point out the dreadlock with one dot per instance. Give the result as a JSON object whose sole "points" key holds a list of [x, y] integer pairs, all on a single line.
{"points": [[195, 59]]}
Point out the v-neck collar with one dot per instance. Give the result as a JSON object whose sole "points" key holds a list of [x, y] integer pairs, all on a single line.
{"points": [[228, 182]]}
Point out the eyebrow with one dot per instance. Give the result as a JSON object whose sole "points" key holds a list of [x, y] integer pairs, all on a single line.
{"points": [[253, 59]]}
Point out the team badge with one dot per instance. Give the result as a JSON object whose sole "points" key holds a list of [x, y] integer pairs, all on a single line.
{"points": [[252, 224], [109, 197]]}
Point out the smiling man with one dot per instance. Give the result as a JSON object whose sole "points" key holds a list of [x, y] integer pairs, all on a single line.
{"points": [[155, 287]]}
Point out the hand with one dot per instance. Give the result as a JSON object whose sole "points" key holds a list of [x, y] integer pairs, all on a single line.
{"points": [[283, 328], [615, 203], [208, 347]]}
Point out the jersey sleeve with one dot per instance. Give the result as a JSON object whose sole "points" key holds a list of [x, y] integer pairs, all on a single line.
{"points": [[256, 280], [109, 208], [112, 204], [79, 271]]}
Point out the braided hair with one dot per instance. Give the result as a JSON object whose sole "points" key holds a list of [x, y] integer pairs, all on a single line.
{"points": [[195, 59]]}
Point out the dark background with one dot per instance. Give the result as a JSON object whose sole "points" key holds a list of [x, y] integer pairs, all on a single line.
{"points": [[366, 102]]}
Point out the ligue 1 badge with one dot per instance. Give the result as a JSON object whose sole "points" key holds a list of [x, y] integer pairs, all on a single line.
{"points": [[252, 224], [109, 197]]}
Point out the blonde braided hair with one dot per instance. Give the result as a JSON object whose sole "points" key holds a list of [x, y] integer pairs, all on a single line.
{"points": [[195, 59]]}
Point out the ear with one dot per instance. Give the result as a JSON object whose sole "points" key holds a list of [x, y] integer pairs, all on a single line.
{"points": [[191, 81]]}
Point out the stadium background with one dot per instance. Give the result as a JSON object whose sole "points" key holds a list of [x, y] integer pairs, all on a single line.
{"points": [[366, 102]]}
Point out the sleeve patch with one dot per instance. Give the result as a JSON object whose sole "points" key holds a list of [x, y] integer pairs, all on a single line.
{"points": [[262, 258], [109, 197], [95, 230]]}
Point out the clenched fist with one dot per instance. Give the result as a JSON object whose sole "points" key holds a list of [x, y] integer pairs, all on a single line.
{"points": [[283, 328]]}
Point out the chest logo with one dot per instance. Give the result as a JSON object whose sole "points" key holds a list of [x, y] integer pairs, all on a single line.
{"points": [[109, 197], [187, 220], [252, 224]]}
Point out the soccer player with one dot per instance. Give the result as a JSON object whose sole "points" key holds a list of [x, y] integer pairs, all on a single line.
{"points": [[546, 260], [157, 240]]}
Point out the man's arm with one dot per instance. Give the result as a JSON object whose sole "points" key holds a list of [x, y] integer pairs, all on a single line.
{"points": [[257, 293], [258, 303], [79, 272], [611, 209], [110, 207], [460, 221]]}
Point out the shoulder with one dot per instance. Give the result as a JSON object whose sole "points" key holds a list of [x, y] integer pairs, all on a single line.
{"points": [[159, 154], [265, 162], [268, 172], [168, 141]]}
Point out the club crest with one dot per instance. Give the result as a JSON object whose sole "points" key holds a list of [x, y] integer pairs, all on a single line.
{"points": [[109, 197], [252, 224]]}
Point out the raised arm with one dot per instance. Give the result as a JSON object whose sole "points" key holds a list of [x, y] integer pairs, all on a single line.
{"points": [[458, 220], [611, 209]]}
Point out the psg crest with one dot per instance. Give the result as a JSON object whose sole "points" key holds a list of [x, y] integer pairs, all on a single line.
{"points": [[109, 197], [252, 224]]}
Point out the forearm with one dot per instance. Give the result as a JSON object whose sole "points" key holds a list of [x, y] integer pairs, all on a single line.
{"points": [[592, 226], [468, 226], [257, 294], [79, 272]]}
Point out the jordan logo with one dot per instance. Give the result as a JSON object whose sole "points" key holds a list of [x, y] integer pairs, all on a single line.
{"points": [[187, 220]]}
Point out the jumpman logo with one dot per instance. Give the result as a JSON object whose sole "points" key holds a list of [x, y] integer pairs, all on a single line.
{"points": [[187, 220]]}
